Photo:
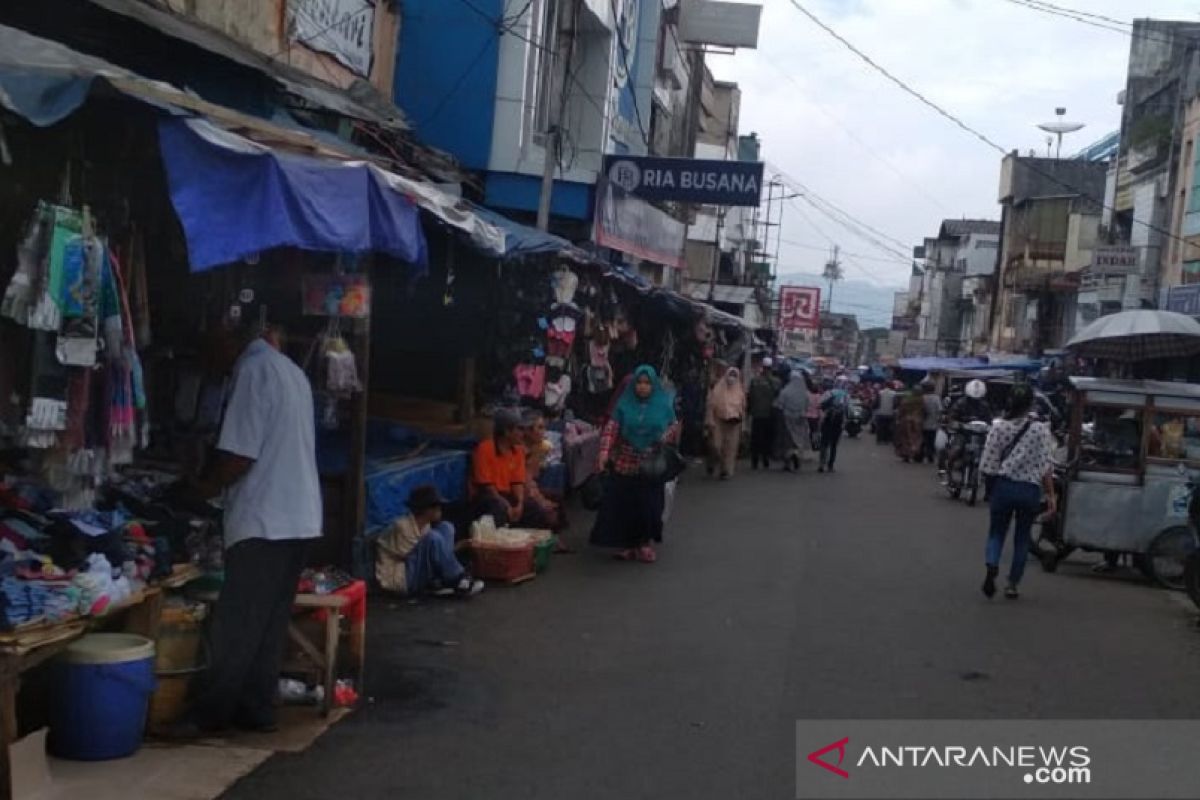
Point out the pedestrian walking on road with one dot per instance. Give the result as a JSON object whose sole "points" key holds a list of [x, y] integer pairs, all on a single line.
{"points": [[910, 417], [931, 421], [761, 406], [723, 422], [631, 514], [885, 414], [1017, 456], [794, 438], [834, 403]]}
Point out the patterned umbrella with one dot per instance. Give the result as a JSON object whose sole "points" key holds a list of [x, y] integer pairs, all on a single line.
{"points": [[1137, 336]]}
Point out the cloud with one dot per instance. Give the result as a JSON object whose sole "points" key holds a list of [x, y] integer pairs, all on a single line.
{"points": [[1000, 67]]}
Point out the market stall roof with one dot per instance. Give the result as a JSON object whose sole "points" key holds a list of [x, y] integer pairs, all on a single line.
{"points": [[45, 81], [522, 240], [236, 198], [1157, 388], [931, 364]]}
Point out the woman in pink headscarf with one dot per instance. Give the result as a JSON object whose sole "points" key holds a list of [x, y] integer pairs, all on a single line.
{"points": [[723, 422]]}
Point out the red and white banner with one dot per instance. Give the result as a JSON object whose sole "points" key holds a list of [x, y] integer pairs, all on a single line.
{"points": [[799, 308]]}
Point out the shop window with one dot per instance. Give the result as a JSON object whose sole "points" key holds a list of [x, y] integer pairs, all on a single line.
{"points": [[1115, 440], [1175, 436]]}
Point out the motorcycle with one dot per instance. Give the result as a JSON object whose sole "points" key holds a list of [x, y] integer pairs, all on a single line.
{"points": [[962, 472], [856, 419]]}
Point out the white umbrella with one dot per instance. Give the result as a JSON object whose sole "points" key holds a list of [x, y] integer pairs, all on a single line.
{"points": [[1137, 336]]}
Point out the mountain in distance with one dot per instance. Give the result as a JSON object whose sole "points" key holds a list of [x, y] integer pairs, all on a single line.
{"points": [[870, 302]]}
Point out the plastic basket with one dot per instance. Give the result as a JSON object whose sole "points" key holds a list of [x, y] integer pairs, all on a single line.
{"points": [[493, 562]]}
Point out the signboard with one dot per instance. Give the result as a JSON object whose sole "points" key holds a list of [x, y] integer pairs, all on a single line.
{"points": [[1185, 299], [904, 323], [799, 308], [343, 28], [720, 24], [687, 180], [629, 225], [1114, 260]]}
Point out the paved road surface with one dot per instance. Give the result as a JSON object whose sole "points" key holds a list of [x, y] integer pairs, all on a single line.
{"points": [[823, 596]]}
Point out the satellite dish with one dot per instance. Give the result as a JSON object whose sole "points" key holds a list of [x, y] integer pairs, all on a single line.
{"points": [[1061, 126]]}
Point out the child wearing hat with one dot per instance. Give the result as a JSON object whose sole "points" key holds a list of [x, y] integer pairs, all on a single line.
{"points": [[416, 553]]}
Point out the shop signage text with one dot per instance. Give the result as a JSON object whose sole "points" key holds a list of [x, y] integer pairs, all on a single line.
{"points": [[687, 180], [1114, 260], [343, 28], [799, 308], [1185, 299]]}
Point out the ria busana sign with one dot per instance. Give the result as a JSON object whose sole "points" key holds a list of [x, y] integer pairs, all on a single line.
{"points": [[687, 180]]}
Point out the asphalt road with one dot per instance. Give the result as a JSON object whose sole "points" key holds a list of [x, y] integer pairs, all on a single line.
{"points": [[776, 597]]}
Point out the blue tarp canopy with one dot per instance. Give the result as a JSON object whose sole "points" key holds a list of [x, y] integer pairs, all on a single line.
{"points": [[522, 240], [236, 199]]}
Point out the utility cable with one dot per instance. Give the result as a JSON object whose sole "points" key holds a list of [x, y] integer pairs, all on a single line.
{"points": [[907, 89], [856, 138]]}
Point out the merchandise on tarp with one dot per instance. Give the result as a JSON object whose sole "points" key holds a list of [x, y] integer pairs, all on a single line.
{"points": [[236, 198]]}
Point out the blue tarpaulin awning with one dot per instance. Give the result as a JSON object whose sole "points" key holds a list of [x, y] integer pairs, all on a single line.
{"points": [[522, 240], [236, 199]]}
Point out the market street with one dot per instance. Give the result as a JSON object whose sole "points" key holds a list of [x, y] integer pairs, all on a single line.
{"points": [[853, 595]]}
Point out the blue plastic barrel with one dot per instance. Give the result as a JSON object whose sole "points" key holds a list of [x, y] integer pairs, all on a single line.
{"points": [[102, 690]]}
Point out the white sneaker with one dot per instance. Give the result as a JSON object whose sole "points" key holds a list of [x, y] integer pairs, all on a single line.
{"points": [[469, 587]]}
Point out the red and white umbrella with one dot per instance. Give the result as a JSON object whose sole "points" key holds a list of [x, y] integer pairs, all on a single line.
{"points": [[1138, 336]]}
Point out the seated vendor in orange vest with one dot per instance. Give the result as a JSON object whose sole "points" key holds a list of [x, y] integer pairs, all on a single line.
{"points": [[416, 553], [498, 474]]}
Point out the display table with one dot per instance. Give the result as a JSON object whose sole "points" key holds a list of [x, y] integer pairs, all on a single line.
{"points": [[348, 603], [23, 649]]}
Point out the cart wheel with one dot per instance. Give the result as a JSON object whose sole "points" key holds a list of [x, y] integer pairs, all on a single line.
{"points": [[1049, 559], [1168, 554], [1191, 578]]}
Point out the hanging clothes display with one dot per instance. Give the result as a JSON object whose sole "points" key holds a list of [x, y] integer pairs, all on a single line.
{"points": [[87, 392]]}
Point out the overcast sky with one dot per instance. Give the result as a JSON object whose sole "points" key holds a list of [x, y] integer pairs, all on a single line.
{"points": [[999, 66]]}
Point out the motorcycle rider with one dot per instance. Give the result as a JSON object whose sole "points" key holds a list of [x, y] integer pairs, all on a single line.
{"points": [[971, 407]]}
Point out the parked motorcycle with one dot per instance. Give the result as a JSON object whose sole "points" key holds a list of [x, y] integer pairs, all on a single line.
{"points": [[962, 473]]}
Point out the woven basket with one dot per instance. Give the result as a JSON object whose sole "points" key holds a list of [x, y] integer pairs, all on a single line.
{"points": [[501, 562]]}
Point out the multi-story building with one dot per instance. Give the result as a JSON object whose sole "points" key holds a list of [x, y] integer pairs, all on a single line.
{"points": [[1050, 228], [1150, 194], [520, 89], [956, 268]]}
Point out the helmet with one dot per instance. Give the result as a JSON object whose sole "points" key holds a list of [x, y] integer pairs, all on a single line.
{"points": [[976, 389]]}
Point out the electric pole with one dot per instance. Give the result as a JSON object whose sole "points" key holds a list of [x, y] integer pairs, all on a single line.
{"points": [[833, 273], [550, 57]]}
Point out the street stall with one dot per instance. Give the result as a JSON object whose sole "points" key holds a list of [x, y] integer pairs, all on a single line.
{"points": [[1126, 483], [142, 219]]}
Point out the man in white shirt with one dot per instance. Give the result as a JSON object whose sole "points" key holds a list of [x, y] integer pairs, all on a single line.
{"points": [[266, 466]]}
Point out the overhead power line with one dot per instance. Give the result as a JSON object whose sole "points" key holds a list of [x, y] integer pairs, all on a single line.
{"points": [[825, 248], [909, 90], [849, 131], [1078, 12], [1058, 12]]}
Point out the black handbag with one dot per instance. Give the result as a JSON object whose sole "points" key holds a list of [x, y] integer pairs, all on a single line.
{"points": [[663, 465]]}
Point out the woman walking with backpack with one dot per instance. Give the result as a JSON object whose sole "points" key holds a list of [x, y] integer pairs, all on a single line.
{"points": [[1016, 457], [834, 403]]}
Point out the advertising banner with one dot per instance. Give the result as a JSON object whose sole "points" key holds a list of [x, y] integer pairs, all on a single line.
{"points": [[687, 180], [633, 226], [1185, 299], [343, 28], [799, 308]]}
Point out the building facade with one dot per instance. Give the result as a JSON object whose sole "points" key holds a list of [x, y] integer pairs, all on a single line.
{"points": [[1050, 229]]}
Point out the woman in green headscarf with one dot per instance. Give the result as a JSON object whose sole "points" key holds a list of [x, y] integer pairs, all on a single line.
{"points": [[631, 513]]}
